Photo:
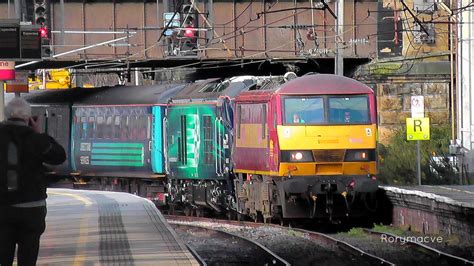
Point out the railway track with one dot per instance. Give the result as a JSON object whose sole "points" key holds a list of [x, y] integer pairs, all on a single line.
{"points": [[234, 249], [295, 246]]}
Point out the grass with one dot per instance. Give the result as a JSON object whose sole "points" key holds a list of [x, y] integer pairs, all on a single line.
{"points": [[388, 229], [356, 232]]}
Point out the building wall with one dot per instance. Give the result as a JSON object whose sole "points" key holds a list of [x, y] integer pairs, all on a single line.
{"points": [[394, 104], [238, 29], [422, 67]]}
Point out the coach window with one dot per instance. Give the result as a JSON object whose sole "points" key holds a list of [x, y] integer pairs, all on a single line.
{"points": [[134, 127], [83, 127], [123, 127], [91, 125], [131, 127], [149, 120], [109, 128], [142, 127], [116, 127], [100, 127]]}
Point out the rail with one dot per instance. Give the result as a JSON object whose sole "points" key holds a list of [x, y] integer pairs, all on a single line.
{"points": [[315, 236]]}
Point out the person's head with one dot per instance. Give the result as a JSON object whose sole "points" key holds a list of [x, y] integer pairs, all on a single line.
{"points": [[296, 118], [18, 108]]}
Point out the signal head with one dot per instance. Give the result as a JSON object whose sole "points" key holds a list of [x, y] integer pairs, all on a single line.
{"points": [[43, 32]]}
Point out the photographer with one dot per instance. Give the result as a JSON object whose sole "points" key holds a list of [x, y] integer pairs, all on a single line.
{"points": [[23, 150]]}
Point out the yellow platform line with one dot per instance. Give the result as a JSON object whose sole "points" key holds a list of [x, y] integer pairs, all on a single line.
{"points": [[79, 258], [86, 201]]}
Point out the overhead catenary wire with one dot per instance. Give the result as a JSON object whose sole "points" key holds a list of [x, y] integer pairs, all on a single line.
{"points": [[255, 28]]}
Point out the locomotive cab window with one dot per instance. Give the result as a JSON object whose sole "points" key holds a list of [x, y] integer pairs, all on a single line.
{"points": [[348, 109], [304, 110]]}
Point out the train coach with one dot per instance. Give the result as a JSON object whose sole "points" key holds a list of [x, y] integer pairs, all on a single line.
{"points": [[306, 149], [113, 135]]}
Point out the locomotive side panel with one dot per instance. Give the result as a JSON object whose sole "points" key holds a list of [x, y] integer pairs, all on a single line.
{"points": [[195, 147], [251, 153]]}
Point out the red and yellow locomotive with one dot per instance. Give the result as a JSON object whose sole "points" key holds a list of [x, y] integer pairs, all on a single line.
{"points": [[306, 149]]}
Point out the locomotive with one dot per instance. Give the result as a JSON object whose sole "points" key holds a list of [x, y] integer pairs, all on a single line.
{"points": [[261, 147]]}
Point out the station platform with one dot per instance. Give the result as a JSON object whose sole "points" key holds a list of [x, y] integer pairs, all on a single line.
{"points": [[108, 228], [462, 196], [447, 210]]}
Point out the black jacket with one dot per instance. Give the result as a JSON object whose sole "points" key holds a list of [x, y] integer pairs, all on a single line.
{"points": [[35, 149]]}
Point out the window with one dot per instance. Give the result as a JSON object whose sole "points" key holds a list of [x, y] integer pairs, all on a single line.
{"points": [[304, 110], [348, 109], [133, 127], [142, 127], [117, 128], [109, 128], [91, 131], [100, 127], [84, 127], [148, 126], [123, 127]]}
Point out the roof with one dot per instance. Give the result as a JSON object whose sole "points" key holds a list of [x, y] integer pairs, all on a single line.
{"points": [[154, 94], [324, 84], [66, 96], [118, 95], [212, 89]]}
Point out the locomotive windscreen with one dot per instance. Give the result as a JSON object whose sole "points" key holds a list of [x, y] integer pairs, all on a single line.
{"points": [[348, 109], [337, 109]]}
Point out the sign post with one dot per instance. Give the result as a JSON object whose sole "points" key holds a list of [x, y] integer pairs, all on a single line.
{"points": [[418, 129]]}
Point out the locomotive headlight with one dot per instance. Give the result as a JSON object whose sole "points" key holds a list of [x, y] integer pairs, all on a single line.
{"points": [[360, 155], [297, 156]]}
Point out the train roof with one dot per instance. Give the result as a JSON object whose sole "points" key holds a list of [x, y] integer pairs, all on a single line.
{"points": [[324, 84], [121, 95], [117, 95], [212, 89], [308, 85], [63, 96]]}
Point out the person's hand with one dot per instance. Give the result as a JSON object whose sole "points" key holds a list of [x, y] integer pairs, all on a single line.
{"points": [[34, 123]]}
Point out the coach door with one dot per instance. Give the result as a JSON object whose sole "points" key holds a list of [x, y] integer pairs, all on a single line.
{"points": [[157, 143], [55, 122]]}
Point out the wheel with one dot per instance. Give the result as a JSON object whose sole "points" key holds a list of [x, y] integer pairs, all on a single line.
{"points": [[199, 212], [231, 215], [241, 217], [188, 211]]}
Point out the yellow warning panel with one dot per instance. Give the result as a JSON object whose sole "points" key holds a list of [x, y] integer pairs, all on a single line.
{"points": [[418, 128]]}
